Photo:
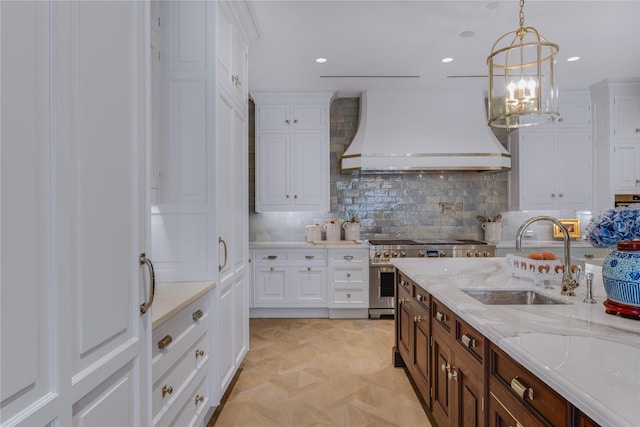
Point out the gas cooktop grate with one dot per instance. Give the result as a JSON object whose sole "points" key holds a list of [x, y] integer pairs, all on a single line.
{"points": [[380, 242]]}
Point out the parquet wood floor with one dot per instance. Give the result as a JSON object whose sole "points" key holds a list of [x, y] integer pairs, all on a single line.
{"points": [[321, 372]]}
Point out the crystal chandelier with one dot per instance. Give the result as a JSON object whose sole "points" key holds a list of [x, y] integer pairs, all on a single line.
{"points": [[522, 79]]}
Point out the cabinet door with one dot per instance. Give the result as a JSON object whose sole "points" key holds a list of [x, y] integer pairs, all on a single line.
{"points": [[626, 116], [625, 170], [404, 323], [273, 117], [308, 286], [574, 178], [310, 170], [310, 117], [270, 286], [442, 403], [469, 392], [421, 348], [74, 341], [272, 171], [538, 169]]}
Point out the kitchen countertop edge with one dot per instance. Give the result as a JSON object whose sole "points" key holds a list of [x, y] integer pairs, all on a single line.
{"points": [[308, 245], [171, 297]]}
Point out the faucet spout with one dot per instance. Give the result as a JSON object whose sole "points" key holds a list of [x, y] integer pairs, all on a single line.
{"points": [[568, 282]]}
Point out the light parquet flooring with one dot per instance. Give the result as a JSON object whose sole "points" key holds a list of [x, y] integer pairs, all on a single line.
{"points": [[321, 372]]}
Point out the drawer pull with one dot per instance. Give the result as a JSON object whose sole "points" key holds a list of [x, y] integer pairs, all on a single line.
{"points": [[348, 274], [348, 295], [272, 256], [199, 353], [348, 257], [309, 256], [199, 398], [164, 342], [403, 283], [197, 315], [441, 317], [417, 319], [419, 297], [521, 389], [589, 256], [166, 390], [445, 367], [468, 341]]}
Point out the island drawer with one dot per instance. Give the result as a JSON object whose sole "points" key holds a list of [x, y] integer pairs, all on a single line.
{"points": [[511, 381], [442, 315], [470, 339], [404, 283]]}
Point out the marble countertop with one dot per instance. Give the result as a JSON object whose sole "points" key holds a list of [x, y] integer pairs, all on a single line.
{"points": [[589, 357], [301, 245], [171, 297], [526, 243]]}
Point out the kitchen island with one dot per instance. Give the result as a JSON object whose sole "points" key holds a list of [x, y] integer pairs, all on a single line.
{"points": [[588, 357]]}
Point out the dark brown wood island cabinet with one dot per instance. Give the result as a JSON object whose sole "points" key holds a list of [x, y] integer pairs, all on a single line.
{"points": [[463, 379]]}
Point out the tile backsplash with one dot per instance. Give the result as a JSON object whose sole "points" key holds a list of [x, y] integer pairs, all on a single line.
{"points": [[396, 205]]}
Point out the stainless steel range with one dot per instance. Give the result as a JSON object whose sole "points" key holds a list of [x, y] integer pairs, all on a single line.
{"points": [[382, 272]]}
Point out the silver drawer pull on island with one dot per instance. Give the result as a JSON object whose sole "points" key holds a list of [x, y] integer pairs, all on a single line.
{"points": [[521, 389]]}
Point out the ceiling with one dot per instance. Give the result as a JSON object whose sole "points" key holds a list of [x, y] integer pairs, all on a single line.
{"points": [[408, 39]]}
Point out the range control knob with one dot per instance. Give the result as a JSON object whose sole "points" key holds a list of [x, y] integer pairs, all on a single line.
{"points": [[386, 254], [469, 254], [377, 255], [421, 254], [442, 254], [403, 254]]}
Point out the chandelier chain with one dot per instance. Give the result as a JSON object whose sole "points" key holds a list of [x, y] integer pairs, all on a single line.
{"points": [[521, 14]]}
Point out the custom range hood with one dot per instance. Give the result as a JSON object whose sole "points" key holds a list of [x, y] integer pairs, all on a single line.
{"points": [[424, 131]]}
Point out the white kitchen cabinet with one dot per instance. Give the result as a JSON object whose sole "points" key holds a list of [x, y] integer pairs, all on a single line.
{"points": [[292, 151], [616, 130], [74, 342], [349, 285], [552, 162], [290, 278], [181, 365], [232, 44]]}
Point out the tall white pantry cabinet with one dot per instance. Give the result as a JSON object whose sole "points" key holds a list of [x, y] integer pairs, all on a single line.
{"points": [[86, 139], [75, 345]]}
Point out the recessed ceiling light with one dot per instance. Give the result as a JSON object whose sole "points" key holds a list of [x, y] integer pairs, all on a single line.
{"points": [[321, 60], [467, 34], [573, 58], [445, 60]]}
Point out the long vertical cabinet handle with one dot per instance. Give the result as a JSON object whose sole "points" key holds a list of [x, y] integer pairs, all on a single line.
{"points": [[224, 264], [152, 277]]}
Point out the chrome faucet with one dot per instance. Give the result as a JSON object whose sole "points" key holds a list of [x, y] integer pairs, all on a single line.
{"points": [[568, 282]]}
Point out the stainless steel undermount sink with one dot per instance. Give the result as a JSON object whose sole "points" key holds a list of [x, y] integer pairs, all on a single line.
{"points": [[511, 297]]}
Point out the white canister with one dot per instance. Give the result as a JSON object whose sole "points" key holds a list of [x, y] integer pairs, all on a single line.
{"points": [[351, 230], [332, 232], [491, 231], [314, 233]]}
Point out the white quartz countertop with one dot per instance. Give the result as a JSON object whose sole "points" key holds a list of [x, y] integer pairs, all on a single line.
{"points": [[171, 297], [589, 357], [302, 245]]}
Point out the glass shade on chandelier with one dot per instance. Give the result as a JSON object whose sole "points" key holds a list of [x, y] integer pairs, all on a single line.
{"points": [[523, 87]]}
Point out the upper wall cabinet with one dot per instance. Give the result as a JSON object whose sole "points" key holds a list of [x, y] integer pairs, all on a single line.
{"points": [[552, 162], [232, 54], [292, 151], [616, 148]]}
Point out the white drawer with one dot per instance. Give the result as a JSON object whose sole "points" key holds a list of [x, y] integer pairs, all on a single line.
{"points": [[317, 257], [169, 388], [350, 256], [194, 409], [270, 256], [177, 334], [346, 275], [349, 296]]}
